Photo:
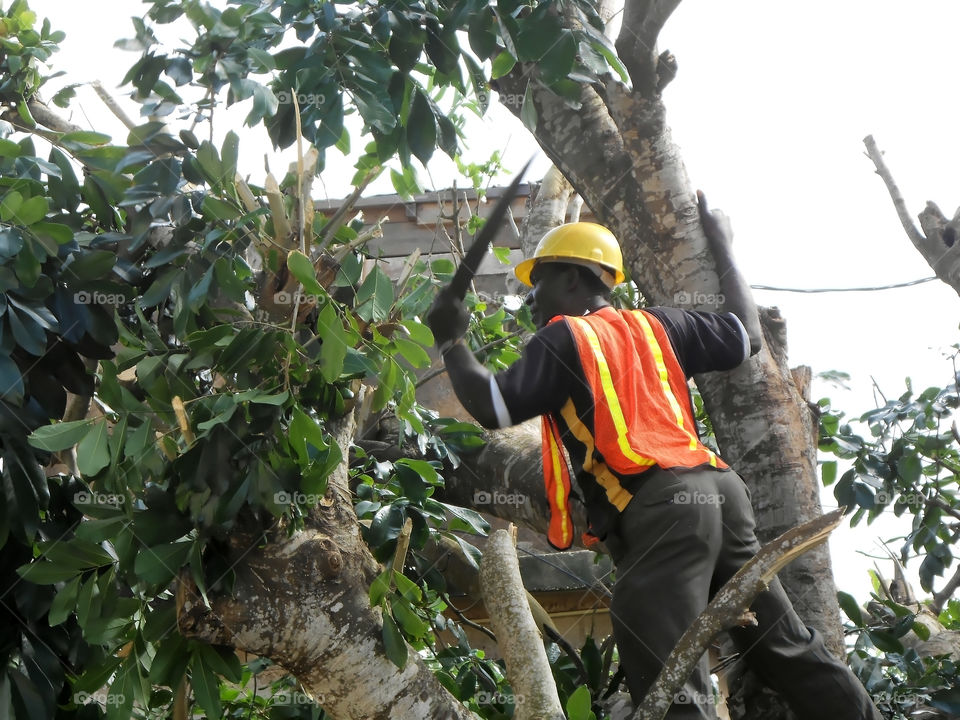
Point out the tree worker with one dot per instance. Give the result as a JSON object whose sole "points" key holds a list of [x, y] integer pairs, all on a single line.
{"points": [[611, 387]]}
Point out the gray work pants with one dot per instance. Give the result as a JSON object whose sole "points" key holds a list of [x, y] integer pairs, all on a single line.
{"points": [[682, 536]]}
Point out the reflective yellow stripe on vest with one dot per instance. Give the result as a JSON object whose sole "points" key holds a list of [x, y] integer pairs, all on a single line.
{"points": [[556, 476], [617, 495], [610, 393], [665, 383]]}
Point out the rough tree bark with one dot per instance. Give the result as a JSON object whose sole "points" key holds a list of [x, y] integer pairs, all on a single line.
{"points": [[617, 152], [302, 600], [519, 638]]}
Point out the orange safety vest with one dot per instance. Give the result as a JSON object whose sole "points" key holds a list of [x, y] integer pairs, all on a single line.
{"points": [[641, 412]]}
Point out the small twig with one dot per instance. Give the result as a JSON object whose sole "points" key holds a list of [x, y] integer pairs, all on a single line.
{"points": [[112, 105], [336, 220], [467, 621], [555, 635]]}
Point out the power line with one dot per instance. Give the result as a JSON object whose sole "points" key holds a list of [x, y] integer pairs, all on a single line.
{"points": [[829, 290]]}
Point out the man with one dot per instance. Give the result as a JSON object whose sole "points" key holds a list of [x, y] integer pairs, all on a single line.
{"points": [[611, 387]]}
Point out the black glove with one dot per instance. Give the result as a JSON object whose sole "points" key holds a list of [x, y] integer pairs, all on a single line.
{"points": [[448, 319]]}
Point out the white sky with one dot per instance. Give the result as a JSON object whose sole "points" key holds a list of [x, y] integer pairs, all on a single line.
{"points": [[770, 107]]}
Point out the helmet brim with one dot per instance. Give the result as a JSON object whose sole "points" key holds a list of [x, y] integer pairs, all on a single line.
{"points": [[525, 268]]}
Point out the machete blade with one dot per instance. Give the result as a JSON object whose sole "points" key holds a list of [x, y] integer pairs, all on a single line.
{"points": [[473, 257]]}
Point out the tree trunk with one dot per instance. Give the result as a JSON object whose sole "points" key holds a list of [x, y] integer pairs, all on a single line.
{"points": [[302, 600], [617, 152]]}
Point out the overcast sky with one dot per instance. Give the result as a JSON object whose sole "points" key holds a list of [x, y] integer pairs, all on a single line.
{"points": [[770, 108]]}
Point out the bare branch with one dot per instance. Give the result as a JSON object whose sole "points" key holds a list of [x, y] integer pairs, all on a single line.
{"points": [[728, 606], [637, 44], [517, 634], [874, 153], [112, 105]]}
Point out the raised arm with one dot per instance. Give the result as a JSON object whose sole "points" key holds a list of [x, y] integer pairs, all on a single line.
{"points": [[737, 297], [471, 381]]}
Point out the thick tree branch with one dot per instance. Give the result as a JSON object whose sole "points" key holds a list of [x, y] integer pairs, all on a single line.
{"points": [[637, 43], [728, 606], [518, 637], [946, 592], [302, 601]]}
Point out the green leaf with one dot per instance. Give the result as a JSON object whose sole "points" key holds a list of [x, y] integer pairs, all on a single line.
{"points": [[305, 431], [32, 210], [467, 520], [421, 128], [219, 209], [910, 468], [828, 472], [85, 138], [396, 647], [303, 270], [209, 162], [412, 624], [91, 265], [9, 205], [578, 704], [206, 685], [60, 234], [160, 564], [221, 661], [850, 608], [93, 452], [61, 435], [228, 156], [42, 572], [333, 349], [262, 59], [885, 641], [65, 602], [528, 110], [170, 661], [11, 381], [413, 353], [380, 586], [375, 296], [502, 64]]}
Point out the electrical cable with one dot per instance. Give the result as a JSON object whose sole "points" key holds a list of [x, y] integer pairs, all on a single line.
{"points": [[829, 290]]}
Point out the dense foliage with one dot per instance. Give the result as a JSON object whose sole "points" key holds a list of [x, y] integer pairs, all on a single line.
{"points": [[208, 330], [907, 461]]}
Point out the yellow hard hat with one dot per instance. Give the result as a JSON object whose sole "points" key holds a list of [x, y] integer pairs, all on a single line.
{"points": [[580, 243]]}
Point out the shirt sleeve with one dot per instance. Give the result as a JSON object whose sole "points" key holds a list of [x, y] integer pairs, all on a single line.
{"points": [[704, 341], [539, 382]]}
